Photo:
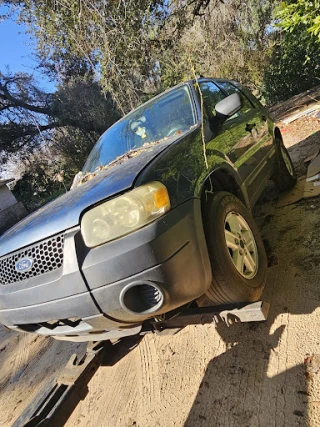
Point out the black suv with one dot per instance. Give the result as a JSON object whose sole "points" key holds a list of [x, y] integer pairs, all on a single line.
{"points": [[158, 217]]}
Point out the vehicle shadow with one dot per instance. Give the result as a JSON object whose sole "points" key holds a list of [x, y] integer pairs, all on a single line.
{"points": [[121, 349], [302, 150], [262, 378], [237, 389]]}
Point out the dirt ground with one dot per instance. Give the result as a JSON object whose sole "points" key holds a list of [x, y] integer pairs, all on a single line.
{"points": [[248, 375]]}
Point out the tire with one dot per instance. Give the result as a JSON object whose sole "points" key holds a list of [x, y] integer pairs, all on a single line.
{"points": [[285, 176], [228, 284]]}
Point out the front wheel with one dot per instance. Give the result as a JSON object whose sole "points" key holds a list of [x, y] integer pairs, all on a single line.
{"points": [[285, 176], [236, 251]]}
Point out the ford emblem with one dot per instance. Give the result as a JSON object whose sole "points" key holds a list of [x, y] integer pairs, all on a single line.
{"points": [[24, 264]]}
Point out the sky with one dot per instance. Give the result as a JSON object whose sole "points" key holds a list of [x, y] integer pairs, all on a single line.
{"points": [[16, 52], [16, 49]]}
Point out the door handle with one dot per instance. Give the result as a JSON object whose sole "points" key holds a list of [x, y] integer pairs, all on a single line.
{"points": [[250, 126]]}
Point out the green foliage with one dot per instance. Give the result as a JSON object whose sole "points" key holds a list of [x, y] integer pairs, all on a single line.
{"points": [[295, 58], [293, 14], [71, 148], [108, 57], [122, 42], [29, 117], [114, 38], [39, 183], [50, 133], [294, 65], [231, 39], [49, 172]]}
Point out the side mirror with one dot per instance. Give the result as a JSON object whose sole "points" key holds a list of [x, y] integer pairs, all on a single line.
{"points": [[228, 106]]}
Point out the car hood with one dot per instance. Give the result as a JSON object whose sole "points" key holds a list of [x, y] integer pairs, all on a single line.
{"points": [[65, 211]]}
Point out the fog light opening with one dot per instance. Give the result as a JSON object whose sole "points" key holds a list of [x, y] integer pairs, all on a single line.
{"points": [[142, 298]]}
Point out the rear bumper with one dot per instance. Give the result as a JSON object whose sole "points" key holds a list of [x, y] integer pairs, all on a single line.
{"points": [[85, 298]]}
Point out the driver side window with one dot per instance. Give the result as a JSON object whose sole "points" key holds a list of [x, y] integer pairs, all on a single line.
{"points": [[211, 95], [229, 88]]}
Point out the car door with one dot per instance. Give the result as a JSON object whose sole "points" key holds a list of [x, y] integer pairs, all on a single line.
{"points": [[217, 135], [250, 131]]}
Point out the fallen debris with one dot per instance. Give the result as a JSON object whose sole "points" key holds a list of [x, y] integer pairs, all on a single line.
{"points": [[297, 102], [292, 196], [308, 112], [302, 190], [81, 178], [312, 363], [314, 167], [312, 157], [313, 178], [311, 189], [305, 187]]}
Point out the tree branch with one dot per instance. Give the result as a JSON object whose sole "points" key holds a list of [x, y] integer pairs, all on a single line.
{"points": [[19, 102]]}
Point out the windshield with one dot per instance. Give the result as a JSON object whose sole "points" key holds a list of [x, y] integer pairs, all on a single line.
{"points": [[169, 115]]}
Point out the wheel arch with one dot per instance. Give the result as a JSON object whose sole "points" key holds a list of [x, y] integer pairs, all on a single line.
{"points": [[222, 179], [277, 133]]}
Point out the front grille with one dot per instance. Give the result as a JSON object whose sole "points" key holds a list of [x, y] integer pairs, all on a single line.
{"points": [[46, 256]]}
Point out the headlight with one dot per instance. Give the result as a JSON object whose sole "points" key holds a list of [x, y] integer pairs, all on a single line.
{"points": [[124, 214]]}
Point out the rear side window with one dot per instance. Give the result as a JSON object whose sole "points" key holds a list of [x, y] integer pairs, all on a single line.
{"points": [[229, 88]]}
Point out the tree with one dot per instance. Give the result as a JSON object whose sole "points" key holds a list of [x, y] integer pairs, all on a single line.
{"points": [[101, 33], [294, 65], [230, 39], [135, 46], [29, 117], [50, 134], [108, 57], [129, 49], [306, 13], [41, 181]]}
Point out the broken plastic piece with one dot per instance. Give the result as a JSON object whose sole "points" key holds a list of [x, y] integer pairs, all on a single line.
{"points": [[312, 157], [314, 167]]}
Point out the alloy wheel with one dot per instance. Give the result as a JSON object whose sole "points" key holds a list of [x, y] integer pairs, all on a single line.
{"points": [[241, 245]]}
